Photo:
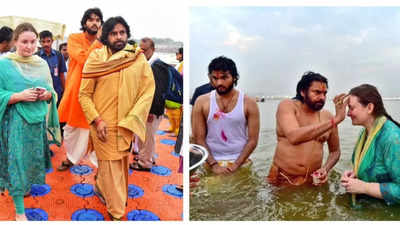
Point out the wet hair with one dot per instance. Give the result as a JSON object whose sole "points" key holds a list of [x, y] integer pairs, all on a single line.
{"points": [[225, 64], [44, 34], [5, 34], [61, 46], [88, 14], [23, 27], [366, 94], [306, 81], [147, 39], [109, 25]]}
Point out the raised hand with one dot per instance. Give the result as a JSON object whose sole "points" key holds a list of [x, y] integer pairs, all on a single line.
{"points": [[340, 102]]}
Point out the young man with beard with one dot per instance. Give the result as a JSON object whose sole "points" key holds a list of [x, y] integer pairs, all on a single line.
{"points": [[226, 121], [76, 130], [302, 128], [116, 94]]}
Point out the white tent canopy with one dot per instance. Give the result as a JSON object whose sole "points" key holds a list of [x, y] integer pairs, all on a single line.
{"points": [[57, 29]]}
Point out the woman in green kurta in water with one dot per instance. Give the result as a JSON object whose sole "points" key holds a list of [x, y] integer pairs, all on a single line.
{"points": [[25, 94], [376, 156]]}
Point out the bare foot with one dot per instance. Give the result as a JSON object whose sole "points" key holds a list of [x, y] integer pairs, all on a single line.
{"points": [[20, 217]]}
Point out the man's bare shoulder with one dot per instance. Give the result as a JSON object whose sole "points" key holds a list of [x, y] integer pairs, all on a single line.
{"points": [[249, 99], [76, 37], [250, 102], [203, 99], [287, 103]]}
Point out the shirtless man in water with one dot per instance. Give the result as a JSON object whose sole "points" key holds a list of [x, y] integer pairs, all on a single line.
{"points": [[302, 129]]}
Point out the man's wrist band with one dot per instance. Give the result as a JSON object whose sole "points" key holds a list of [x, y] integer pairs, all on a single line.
{"points": [[333, 122]]}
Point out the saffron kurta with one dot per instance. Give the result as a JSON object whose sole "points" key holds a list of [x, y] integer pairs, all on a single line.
{"points": [[119, 88], [70, 111]]}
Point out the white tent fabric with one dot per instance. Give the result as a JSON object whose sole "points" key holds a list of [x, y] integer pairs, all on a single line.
{"points": [[57, 29]]}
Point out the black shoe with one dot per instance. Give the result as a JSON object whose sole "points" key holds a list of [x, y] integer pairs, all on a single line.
{"points": [[138, 167], [65, 165]]}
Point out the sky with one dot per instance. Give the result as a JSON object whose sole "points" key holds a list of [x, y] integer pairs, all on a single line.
{"points": [[146, 18], [273, 46]]}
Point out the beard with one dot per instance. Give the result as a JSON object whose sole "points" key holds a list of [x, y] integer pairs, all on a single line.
{"points": [[224, 92], [316, 106], [117, 45], [91, 31]]}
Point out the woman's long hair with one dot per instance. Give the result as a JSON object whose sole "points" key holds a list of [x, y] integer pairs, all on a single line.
{"points": [[366, 94]]}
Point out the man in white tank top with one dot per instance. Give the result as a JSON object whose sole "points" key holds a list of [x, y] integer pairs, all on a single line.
{"points": [[225, 121]]}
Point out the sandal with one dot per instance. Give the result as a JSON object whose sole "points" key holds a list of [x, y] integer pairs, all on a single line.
{"points": [[113, 218], [27, 194], [179, 188], [65, 165], [138, 167]]}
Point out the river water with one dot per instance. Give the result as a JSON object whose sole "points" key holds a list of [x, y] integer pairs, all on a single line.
{"points": [[247, 196]]}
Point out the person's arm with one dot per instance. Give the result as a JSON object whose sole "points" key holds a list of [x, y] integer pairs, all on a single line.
{"points": [[334, 149], [390, 191], [27, 95], [88, 107], [62, 78], [295, 134], [86, 92], [62, 69], [333, 157], [135, 120], [199, 127], [253, 124], [357, 186]]}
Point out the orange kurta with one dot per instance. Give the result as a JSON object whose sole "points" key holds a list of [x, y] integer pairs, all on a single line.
{"points": [[69, 110]]}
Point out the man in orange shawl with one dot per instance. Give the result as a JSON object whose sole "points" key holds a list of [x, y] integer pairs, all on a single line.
{"points": [[76, 131], [116, 94]]}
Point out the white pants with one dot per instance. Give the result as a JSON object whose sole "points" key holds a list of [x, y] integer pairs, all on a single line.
{"points": [[76, 144]]}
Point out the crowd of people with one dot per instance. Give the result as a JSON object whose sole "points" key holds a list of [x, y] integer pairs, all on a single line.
{"points": [[96, 95], [226, 122]]}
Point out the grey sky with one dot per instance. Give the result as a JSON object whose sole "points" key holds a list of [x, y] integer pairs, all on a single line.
{"points": [[274, 46], [151, 18]]}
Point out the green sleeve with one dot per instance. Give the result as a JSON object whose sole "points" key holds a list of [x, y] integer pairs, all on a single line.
{"points": [[391, 190]]}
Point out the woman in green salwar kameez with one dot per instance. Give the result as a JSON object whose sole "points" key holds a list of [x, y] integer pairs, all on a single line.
{"points": [[376, 156], [27, 111]]}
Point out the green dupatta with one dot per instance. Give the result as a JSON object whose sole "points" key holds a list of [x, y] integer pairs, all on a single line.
{"points": [[18, 73], [364, 151]]}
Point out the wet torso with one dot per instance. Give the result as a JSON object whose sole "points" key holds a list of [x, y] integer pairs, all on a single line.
{"points": [[306, 157]]}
